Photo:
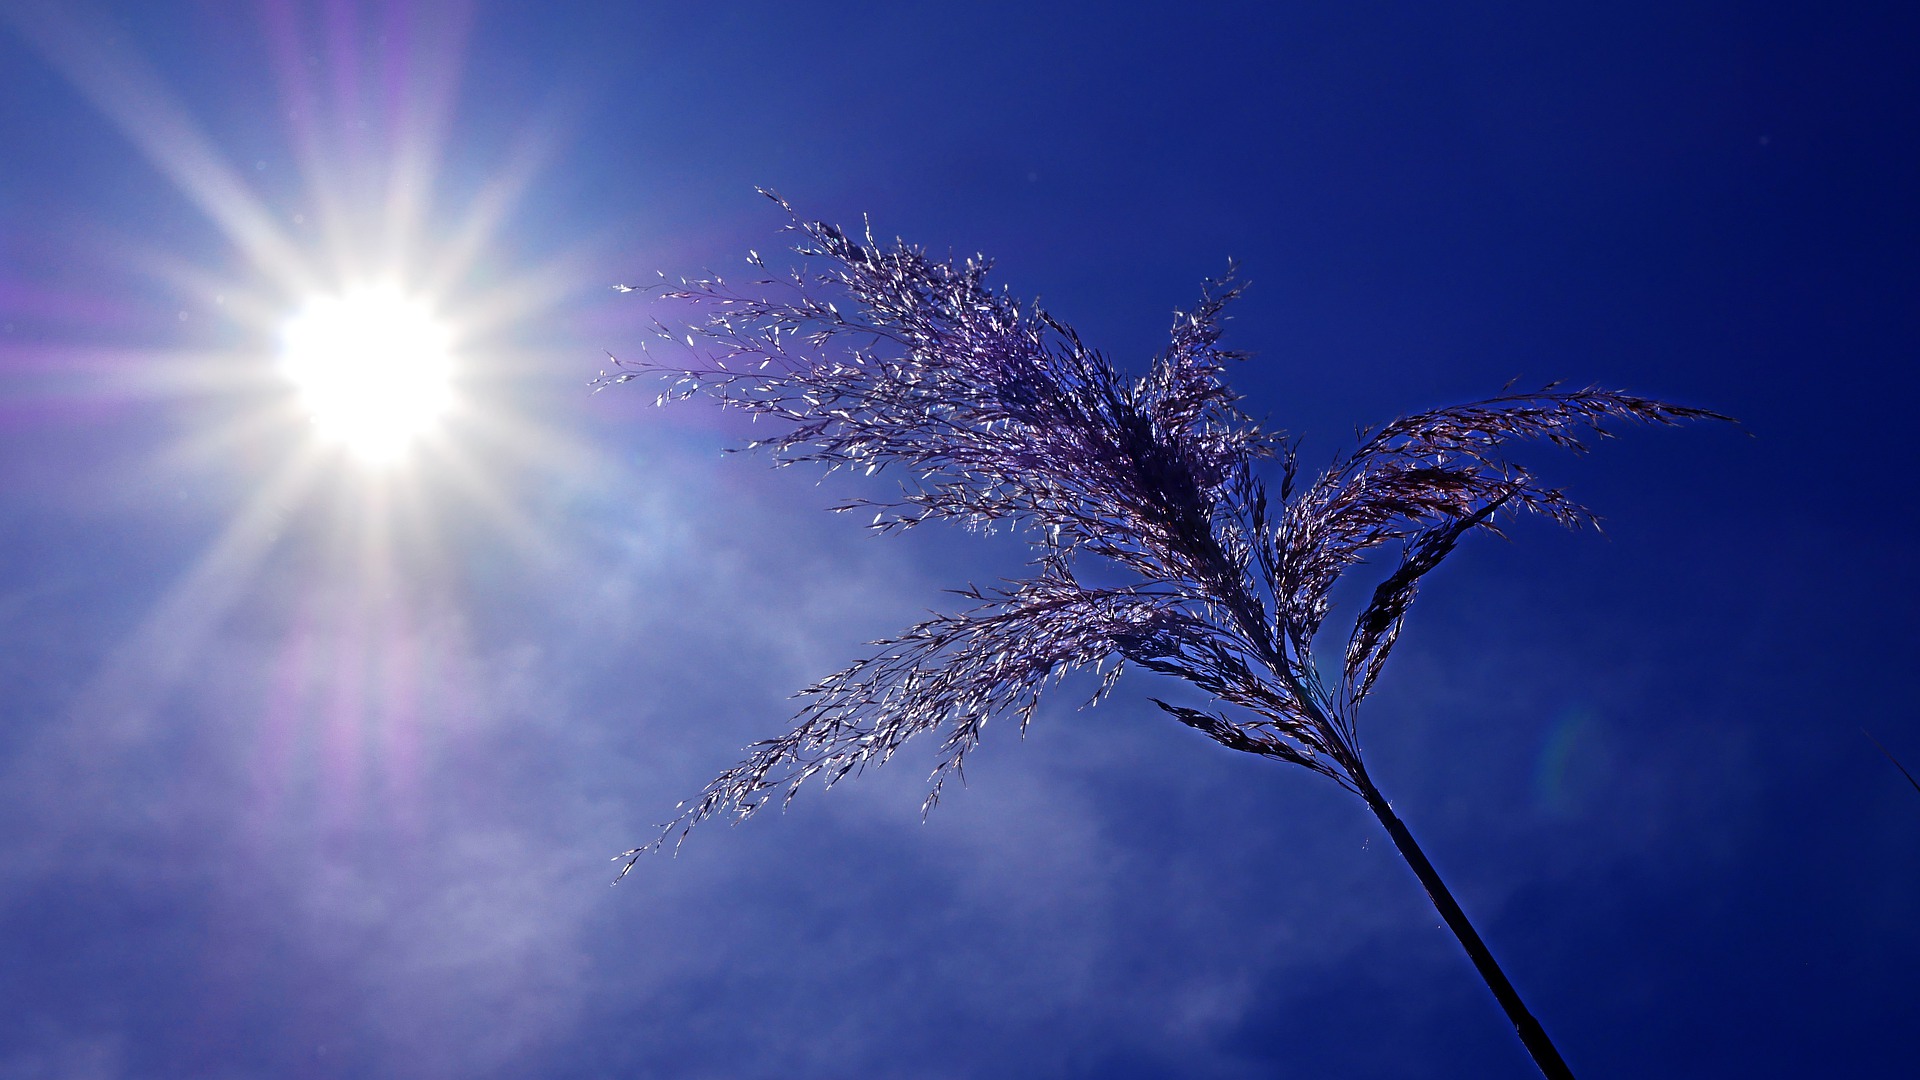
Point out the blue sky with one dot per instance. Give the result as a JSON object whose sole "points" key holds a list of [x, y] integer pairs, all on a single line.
{"points": [[309, 768]]}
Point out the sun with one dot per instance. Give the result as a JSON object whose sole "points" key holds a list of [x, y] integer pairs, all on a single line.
{"points": [[373, 368]]}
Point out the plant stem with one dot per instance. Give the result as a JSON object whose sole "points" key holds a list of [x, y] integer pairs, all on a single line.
{"points": [[1531, 1033]]}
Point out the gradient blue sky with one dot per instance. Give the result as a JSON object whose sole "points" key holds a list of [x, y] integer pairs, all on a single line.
{"points": [[309, 772]]}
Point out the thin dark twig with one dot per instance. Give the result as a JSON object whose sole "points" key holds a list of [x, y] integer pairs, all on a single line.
{"points": [[1890, 757]]}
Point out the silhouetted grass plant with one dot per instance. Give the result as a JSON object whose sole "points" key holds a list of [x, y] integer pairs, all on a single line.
{"points": [[991, 413]]}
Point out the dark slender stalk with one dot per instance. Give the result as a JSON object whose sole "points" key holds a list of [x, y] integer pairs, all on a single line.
{"points": [[1531, 1033], [1890, 757]]}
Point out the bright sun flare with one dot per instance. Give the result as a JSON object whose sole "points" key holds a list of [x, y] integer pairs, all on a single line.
{"points": [[372, 367]]}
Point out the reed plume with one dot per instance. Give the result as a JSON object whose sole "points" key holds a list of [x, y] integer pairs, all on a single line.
{"points": [[878, 357]]}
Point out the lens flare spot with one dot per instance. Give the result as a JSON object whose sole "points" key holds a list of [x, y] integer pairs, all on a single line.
{"points": [[373, 369]]}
